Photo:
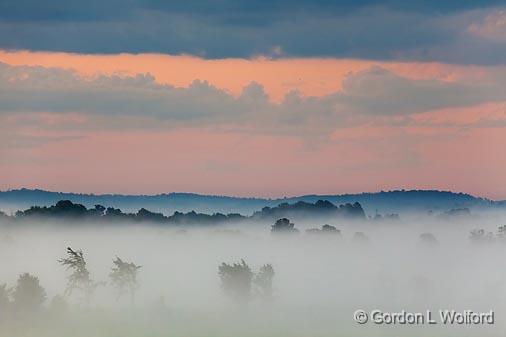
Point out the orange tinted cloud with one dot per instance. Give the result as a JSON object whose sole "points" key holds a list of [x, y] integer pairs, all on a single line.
{"points": [[311, 76]]}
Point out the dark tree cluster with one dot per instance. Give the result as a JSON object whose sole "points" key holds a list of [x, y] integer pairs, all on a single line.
{"points": [[284, 226], [66, 209], [194, 218], [392, 217], [453, 213], [326, 229], [63, 208], [302, 209]]}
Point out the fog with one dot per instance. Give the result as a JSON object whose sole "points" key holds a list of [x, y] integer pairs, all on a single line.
{"points": [[320, 279]]}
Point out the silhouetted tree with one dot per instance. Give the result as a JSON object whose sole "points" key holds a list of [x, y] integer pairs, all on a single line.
{"points": [[326, 229], [457, 212], [58, 304], [428, 240], [501, 232], [313, 231], [360, 237], [79, 279], [63, 209], [5, 294], [386, 218], [113, 212], [124, 277], [263, 281], [194, 218], [284, 226], [145, 215], [98, 210], [28, 295], [480, 236], [329, 228], [236, 280], [3, 215], [302, 209]]}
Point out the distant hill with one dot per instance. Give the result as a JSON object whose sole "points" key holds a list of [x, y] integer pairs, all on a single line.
{"points": [[384, 202]]}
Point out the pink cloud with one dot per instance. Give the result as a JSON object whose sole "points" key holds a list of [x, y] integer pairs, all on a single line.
{"points": [[324, 144]]}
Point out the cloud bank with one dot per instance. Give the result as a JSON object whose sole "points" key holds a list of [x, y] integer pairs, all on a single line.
{"points": [[377, 30], [139, 100]]}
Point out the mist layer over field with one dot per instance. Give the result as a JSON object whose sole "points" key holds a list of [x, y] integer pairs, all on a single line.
{"points": [[320, 279]]}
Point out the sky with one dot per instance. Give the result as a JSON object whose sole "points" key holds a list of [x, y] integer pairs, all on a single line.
{"points": [[252, 98]]}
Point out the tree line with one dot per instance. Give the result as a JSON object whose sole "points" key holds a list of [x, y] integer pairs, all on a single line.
{"points": [[67, 210]]}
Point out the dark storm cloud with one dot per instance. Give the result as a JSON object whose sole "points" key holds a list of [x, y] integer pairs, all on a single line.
{"points": [[414, 30], [77, 10]]}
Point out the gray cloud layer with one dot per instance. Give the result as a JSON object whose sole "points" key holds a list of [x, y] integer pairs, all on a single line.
{"points": [[416, 30], [366, 94]]}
